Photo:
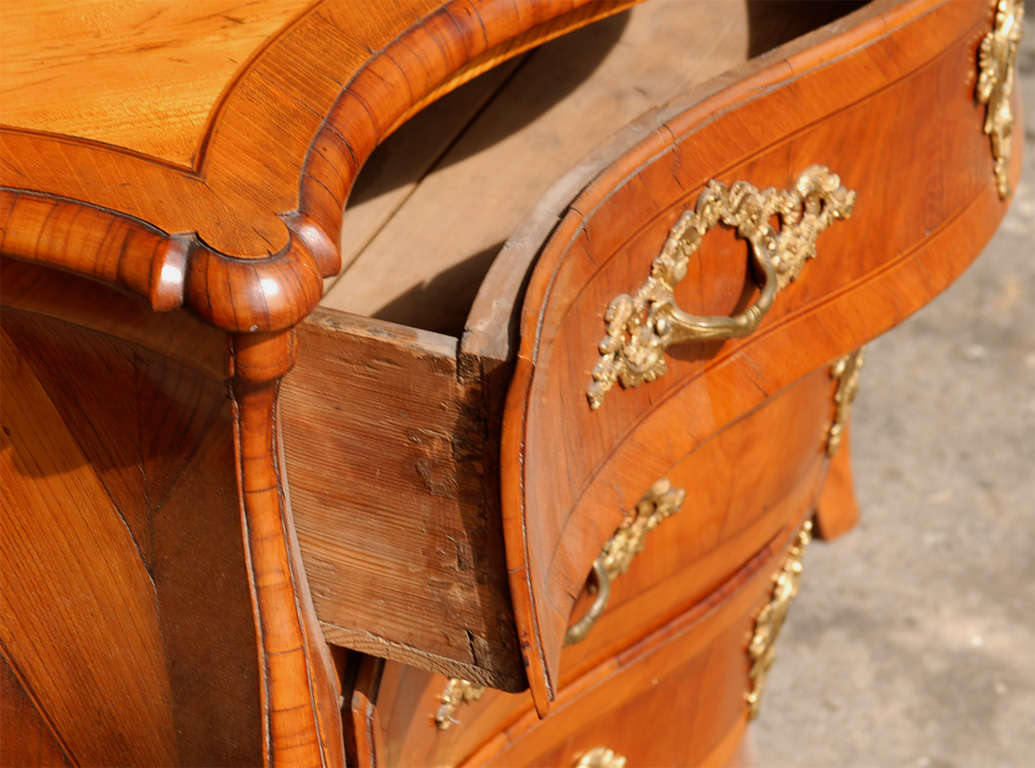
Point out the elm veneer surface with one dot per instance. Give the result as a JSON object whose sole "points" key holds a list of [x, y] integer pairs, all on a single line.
{"points": [[193, 161]]}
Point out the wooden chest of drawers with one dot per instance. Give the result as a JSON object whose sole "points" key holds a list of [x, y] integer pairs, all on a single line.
{"points": [[533, 502]]}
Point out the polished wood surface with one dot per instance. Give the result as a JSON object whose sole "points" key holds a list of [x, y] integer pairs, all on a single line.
{"points": [[176, 335], [142, 76], [560, 506], [742, 492], [660, 701], [361, 382], [27, 739], [126, 618], [299, 686], [242, 236], [170, 388], [341, 72], [837, 511]]}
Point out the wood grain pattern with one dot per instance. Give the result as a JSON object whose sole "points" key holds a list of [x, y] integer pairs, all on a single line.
{"points": [[26, 739], [181, 56], [686, 679], [837, 511], [394, 170], [744, 493], [154, 441], [137, 471], [360, 383], [242, 237], [744, 486], [501, 163], [456, 207], [176, 335], [364, 746], [385, 453], [553, 518], [125, 604], [157, 610], [462, 38], [298, 685], [491, 329], [109, 582], [321, 97]]}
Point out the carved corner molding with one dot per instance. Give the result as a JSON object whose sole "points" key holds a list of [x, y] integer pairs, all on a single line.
{"points": [[997, 71], [761, 648], [457, 691], [641, 327], [846, 370]]}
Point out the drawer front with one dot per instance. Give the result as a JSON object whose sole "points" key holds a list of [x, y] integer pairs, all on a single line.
{"points": [[919, 217], [661, 680], [743, 487]]}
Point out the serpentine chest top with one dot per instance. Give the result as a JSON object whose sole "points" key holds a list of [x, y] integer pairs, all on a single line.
{"points": [[239, 528]]}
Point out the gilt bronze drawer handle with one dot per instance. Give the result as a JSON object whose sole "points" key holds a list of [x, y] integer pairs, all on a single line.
{"points": [[641, 327], [997, 70], [769, 622], [661, 501], [577, 632], [457, 691], [845, 371], [600, 757]]}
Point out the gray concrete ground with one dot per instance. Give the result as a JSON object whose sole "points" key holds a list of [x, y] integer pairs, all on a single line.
{"points": [[912, 641]]}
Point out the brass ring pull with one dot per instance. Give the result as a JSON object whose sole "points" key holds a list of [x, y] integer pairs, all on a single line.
{"points": [[658, 503], [577, 632], [641, 327], [601, 757], [674, 326]]}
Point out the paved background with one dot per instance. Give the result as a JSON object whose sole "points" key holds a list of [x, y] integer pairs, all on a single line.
{"points": [[912, 641]]}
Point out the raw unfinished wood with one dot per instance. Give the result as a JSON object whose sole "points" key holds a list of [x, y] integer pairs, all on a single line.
{"points": [[354, 388], [391, 174], [386, 456], [157, 608], [736, 509], [423, 265]]}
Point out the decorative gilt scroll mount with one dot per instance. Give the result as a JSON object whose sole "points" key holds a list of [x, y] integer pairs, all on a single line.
{"points": [[601, 757], [641, 327], [997, 71], [846, 371], [458, 691], [761, 651], [660, 502]]}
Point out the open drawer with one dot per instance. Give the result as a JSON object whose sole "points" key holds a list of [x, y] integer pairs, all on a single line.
{"points": [[452, 491]]}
